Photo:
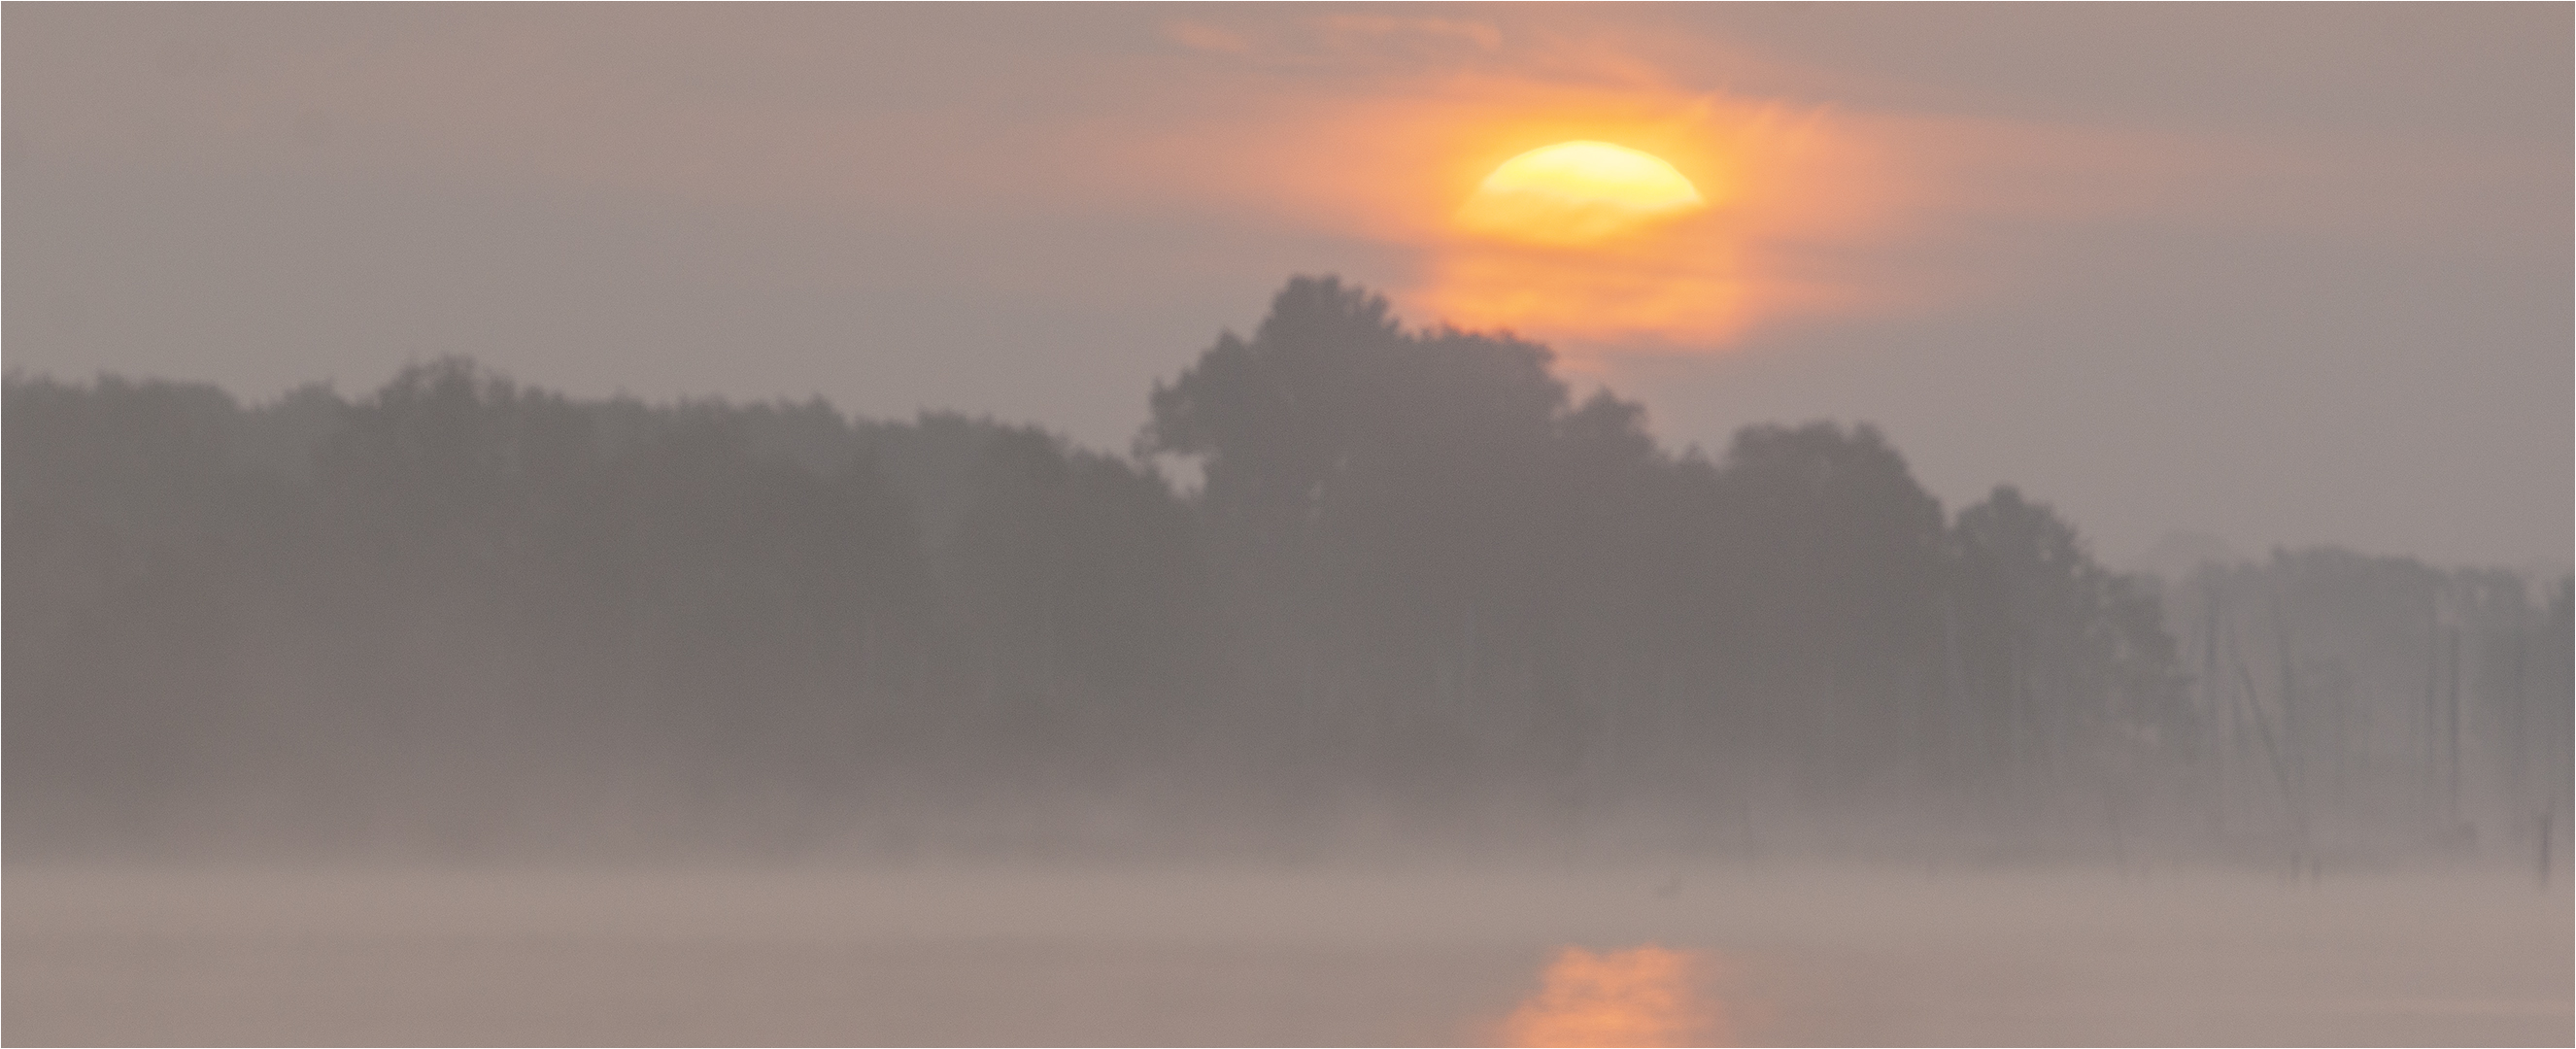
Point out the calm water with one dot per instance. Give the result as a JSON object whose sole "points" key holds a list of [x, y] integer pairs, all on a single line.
{"points": [[1417, 955]]}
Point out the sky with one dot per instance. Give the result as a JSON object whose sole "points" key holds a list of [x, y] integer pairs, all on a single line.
{"points": [[2273, 275]]}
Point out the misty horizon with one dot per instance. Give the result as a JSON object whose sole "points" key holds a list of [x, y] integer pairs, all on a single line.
{"points": [[1304, 525], [495, 701]]}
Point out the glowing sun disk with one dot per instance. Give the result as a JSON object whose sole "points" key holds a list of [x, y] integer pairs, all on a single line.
{"points": [[1577, 193]]}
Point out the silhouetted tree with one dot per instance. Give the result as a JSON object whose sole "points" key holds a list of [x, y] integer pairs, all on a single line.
{"points": [[2066, 668]]}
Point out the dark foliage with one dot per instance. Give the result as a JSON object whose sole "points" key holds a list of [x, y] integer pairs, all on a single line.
{"points": [[1421, 578]]}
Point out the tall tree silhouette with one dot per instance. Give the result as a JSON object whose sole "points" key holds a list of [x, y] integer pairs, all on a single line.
{"points": [[2066, 668]]}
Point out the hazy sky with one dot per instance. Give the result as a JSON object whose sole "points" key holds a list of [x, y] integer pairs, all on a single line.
{"points": [[2281, 274]]}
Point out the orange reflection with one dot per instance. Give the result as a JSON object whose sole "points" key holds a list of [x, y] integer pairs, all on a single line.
{"points": [[1647, 996]]}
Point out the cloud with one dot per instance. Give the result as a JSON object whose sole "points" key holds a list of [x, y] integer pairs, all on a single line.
{"points": [[1384, 30], [1341, 42], [1200, 36]]}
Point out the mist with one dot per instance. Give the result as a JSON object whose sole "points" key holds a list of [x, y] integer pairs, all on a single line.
{"points": [[1378, 671]]}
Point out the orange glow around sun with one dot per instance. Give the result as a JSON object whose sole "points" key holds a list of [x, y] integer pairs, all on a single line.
{"points": [[1635, 237], [1641, 224], [1602, 219]]}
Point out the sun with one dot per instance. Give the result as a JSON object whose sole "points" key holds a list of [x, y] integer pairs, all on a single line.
{"points": [[1575, 193]]}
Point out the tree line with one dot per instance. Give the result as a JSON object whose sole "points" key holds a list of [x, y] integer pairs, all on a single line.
{"points": [[1420, 585]]}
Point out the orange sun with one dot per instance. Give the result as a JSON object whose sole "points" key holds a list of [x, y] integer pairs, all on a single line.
{"points": [[1576, 193]]}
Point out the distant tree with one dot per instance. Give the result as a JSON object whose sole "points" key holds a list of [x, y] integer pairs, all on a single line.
{"points": [[447, 461], [1832, 553], [1086, 601], [2551, 727], [1386, 506], [121, 521], [2065, 666]]}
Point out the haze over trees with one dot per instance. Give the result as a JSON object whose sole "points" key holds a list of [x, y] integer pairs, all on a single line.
{"points": [[1425, 592]]}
